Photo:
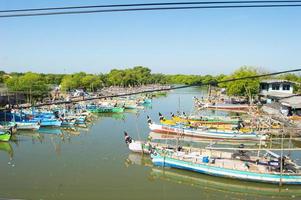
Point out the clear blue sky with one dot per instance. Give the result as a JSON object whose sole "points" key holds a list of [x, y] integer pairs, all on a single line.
{"points": [[189, 42]]}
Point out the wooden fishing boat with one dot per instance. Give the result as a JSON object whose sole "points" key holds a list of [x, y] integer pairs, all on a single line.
{"points": [[107, 109], [206, 133], [28, 125], [228, 107], [200, 124], [5, 135], [44, 122], [68, 122], [223, 164], [214, 185], [130, 106], [207, 119]]}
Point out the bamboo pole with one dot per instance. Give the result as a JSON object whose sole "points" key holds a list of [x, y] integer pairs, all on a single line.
{"points": [[254, 149], [281, 160]]}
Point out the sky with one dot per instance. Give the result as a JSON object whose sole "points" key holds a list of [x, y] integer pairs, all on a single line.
{"points": [[187, 41]]}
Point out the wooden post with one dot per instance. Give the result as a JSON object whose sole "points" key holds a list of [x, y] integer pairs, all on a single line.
{"points": [[281, 157], [209, 92]]}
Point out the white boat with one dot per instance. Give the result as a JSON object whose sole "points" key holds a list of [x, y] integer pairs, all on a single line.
{"points": [[28, 125], [206, 133]]}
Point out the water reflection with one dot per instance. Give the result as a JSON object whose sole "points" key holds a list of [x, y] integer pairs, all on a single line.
{"points": [[214, 186], [7, 148], [116, 116]]}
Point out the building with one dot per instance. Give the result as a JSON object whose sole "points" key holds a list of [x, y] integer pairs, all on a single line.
{"points": [[273, 90]]}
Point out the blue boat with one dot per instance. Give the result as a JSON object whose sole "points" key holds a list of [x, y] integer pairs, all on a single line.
{"points": [[45, 122]]}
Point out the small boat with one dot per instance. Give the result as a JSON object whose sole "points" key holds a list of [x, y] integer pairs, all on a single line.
{"points": [[28, 125], [130, 106], [219, 120], [107, 109], [226, 164], [80, 119], [227, 107], [206, 133], [5, 135], [48, 122], [200, 124], [68, 122]]}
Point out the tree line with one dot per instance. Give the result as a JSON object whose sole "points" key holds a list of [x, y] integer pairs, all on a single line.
{"points": [[38, 84]]}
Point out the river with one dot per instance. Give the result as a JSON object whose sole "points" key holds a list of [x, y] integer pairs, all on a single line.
{"points": [[95, 163]]}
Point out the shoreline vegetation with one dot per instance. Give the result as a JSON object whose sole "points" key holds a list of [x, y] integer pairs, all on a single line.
{"points": [[37, 86]]}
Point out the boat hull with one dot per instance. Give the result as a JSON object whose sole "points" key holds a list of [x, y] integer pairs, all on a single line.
{"points": [[27, 126], [5, 136], [206, 133], [159, 160]]}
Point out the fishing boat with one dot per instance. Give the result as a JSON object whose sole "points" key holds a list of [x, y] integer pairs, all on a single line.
{"points": [[206, 133], [211, 186], [5, 135], [25, 125], [226, 164], [45, 122], [206, 119], [106, 109], [194, 124], [207, 141], [68, 122], [227, 107], [81, 119], [130, 106]]}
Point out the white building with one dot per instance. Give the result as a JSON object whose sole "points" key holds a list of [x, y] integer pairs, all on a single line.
{"points": [[274, 90], [282, 86]]}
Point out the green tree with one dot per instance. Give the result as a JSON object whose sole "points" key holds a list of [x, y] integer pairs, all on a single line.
{"points": [[245, 87], [31, 84]]}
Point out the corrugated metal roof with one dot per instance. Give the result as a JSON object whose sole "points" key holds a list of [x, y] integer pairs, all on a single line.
{"points": [[294, 102], [276, 81], [275, 94]]}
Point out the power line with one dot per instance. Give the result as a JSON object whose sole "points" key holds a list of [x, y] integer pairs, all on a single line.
{"points": [[259, 76], [148, 4], [148, 9]]}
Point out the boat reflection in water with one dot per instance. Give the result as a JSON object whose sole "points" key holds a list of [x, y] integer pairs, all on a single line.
{"points": [[7, 147], [55, 131], [215, 186], [117, 116]]}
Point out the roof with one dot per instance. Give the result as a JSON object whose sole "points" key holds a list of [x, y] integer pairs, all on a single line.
{"points": [[294, 102], [275, 94], [277, 81]]}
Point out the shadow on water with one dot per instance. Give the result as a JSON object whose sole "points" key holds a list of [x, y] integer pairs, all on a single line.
{"points": [[213, 185]]}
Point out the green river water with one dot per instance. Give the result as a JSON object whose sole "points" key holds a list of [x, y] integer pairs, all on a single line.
{"points": [[95, 163]]}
